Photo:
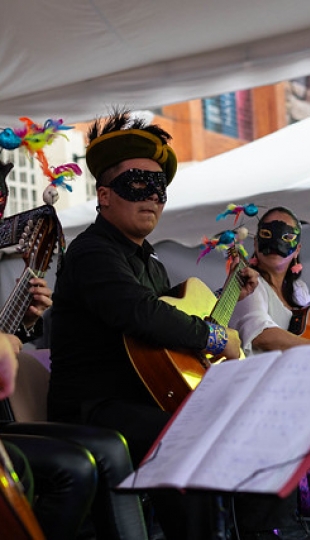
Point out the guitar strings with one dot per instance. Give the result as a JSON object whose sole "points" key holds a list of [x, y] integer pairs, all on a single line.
{"points": [[17, 301]]}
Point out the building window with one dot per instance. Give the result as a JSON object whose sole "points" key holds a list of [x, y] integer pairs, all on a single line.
{"points": [[90, 190], [34, 197], [298, 99], [12, 206], [230, 114], [21, 158], [24, 199], [11, 157]]}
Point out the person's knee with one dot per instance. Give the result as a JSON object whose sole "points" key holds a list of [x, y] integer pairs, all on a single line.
{"points": [[109, 449], [113, 458], [56, 461]]}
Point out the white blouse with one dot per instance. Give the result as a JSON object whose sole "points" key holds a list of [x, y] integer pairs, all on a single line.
{"points": [[263, 309]]}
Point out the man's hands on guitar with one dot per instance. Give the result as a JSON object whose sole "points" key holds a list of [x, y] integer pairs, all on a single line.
{"points": [[232, 349], [249, 278], [41, 300], [223, 343]]}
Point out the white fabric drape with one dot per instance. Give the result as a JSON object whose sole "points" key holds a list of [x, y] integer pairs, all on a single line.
{"points": [[74, 58]]}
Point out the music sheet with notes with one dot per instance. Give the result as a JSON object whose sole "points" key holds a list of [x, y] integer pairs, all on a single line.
{"points": [[246, 427]]}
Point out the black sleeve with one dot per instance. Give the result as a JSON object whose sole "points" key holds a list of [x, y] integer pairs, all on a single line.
{"points": [[33, 333]]}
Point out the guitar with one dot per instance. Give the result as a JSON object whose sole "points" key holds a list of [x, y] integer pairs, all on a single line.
{"points": [[37, 245], [170, 375], [298, 323], [16, 516]]}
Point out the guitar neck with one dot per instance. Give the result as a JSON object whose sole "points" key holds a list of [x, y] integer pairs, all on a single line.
{"points": [[223, 309], [18, 302]]}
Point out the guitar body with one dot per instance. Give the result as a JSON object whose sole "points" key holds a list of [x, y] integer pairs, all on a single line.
{"points": [[299, 324], [170, 375], [17, 520]]}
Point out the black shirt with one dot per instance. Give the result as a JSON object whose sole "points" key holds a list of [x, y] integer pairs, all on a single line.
{"points": [[108, 287]]}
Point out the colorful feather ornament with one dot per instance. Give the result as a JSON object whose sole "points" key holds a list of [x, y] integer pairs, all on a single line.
{"points": [[34, 137], [223, 242], [9, 140], [65, 172], [249, 210], [58, 175]]}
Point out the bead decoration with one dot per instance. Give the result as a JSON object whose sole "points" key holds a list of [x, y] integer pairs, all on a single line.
{"points": [[217, 339]]}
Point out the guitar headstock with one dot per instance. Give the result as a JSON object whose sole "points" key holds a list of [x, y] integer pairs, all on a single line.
{"points": [[37, 243], [233, 252]]}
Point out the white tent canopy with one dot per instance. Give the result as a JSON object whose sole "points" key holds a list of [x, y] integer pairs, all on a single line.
{"points": [[279, 161], [74, 58]]}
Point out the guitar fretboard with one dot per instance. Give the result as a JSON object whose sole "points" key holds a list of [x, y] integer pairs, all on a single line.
{"points": [[225, 306], [17, 304]]}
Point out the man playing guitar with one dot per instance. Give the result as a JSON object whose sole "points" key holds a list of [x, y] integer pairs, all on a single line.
{"points": [[110, 286]]}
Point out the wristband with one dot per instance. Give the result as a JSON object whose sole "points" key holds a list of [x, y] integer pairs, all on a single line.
{"points": [[217, 339]]}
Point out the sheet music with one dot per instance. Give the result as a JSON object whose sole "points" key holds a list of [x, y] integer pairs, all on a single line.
{"points": [[243, 417]]}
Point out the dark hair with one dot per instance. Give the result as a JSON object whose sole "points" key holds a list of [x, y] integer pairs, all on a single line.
{"points": [[290, 277], [123, 120], [283, 210]]}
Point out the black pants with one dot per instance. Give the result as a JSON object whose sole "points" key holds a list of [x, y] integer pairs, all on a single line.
{"points": [[190, 516], [65, 481], [258, 513], [115, 516]]}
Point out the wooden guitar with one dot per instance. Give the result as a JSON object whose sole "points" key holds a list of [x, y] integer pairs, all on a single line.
{"points": [[298, 324], [170, 375], [17, 520], [37, 246]]}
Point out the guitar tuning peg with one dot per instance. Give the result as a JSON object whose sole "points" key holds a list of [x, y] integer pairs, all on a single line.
{"points": [[30, 223]]}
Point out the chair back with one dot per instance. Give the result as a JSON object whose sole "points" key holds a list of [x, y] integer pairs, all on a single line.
{"points": [[28, 402]]}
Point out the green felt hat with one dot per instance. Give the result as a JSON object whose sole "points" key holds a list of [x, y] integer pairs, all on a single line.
{"points": [[112, 148]]}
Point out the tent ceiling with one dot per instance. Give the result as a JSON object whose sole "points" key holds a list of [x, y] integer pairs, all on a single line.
{"points": [[74, 58]]}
